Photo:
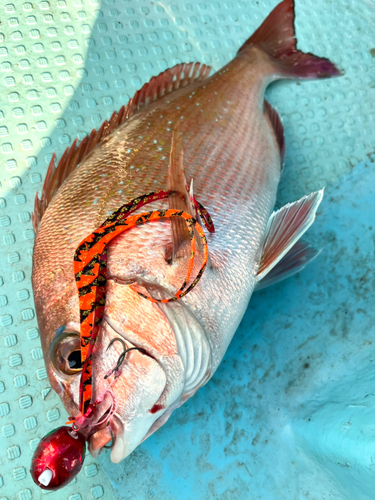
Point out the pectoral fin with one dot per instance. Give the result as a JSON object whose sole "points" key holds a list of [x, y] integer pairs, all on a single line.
{"points": [[179, 201], [282, 256]]}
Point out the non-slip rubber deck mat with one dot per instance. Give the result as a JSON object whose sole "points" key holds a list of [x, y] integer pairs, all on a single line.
{"points": [[65, 66]]}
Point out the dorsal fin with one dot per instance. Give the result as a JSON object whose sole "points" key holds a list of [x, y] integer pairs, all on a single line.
{"points": [[277, 126], [170, 80]]}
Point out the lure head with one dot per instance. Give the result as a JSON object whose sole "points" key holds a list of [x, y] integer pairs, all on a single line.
{"points": [[58, 458]]}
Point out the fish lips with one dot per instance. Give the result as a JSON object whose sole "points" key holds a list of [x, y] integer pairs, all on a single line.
{"points": [[103, 436], [99, 431]]}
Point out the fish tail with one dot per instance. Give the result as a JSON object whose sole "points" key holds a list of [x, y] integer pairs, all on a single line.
{"points": [[276, 37]]}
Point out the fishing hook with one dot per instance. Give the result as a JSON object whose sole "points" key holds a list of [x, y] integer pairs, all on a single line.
{"points": [[122, 355], [112, 442]]}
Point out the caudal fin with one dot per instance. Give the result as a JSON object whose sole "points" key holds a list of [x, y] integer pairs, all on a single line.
{"points": [[276, 36]]}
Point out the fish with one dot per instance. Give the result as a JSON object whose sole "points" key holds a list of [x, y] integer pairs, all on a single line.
{"points": [[211, 139]]}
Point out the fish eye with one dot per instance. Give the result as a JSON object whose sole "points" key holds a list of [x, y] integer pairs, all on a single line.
{"points": [[65, 353], [74, 360]]}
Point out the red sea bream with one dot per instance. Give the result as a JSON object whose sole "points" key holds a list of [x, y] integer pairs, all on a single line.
{"points": [[184, 124]]}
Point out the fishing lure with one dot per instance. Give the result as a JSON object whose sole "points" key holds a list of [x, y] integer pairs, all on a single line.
{"points": [[54, 463], [90, 262]]}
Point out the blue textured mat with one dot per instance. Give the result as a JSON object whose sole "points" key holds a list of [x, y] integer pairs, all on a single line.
{"points": [[65, 66]]}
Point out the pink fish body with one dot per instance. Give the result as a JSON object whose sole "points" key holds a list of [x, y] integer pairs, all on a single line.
{"points": [[218, 131]]}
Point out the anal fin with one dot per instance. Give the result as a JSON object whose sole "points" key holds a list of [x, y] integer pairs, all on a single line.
{"points": [[285, 227], [292, 263]]}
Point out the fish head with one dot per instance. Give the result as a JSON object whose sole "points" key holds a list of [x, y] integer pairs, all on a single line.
{"points": [[142, 391]]}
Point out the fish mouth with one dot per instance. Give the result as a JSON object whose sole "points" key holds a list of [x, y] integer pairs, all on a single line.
{"points": [[103, 428], [101, 438]]}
